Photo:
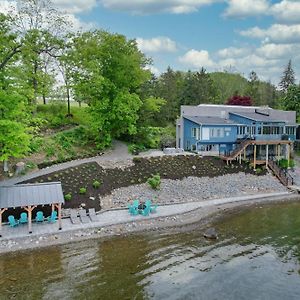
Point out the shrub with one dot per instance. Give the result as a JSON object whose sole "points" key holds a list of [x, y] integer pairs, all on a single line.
{"points": [[82, 191], [284, 163], [96, 184], [258, 171], [154, 181], [135, 149], [68, 197]]}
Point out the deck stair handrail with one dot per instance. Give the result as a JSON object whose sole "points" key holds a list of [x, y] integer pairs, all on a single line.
{"points": [[239, 149], [282, 174]]}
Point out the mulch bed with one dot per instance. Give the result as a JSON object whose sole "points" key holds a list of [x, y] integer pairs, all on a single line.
{"points": [[169, 167]]}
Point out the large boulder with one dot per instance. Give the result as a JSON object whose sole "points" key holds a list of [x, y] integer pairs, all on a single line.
{"points": [[211, 233]]}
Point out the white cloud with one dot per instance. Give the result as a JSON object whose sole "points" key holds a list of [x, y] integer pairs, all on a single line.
{"points": [[75, 6], [233, 52], [156, 6], [157, 44], [246, 8], [286, 11], [277, 51], [153, 70], [196, 59], [277, 33]]}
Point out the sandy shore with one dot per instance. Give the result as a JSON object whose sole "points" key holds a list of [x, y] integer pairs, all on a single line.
{"points": [[173, 223]]}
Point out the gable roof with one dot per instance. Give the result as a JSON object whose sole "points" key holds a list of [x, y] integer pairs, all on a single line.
{"points": [[31, 194], [209, 120]]}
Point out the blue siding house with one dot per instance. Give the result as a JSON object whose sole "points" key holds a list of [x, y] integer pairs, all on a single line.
{"points": [[220, 129]]}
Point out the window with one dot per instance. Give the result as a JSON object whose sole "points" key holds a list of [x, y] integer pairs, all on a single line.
{"points": [[217, 132], [290, 130], [194, 132]]}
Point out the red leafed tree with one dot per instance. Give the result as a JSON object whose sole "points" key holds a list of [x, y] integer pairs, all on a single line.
{"points": [[240, 100]]}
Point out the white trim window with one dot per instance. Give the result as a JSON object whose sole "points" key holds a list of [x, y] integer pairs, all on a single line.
{"points": [[194, 132]]}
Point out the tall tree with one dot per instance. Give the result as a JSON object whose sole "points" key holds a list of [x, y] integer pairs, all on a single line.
{"points": [[288, 77], [253, 88], [198, 88], [291, 101], [109, 72]]}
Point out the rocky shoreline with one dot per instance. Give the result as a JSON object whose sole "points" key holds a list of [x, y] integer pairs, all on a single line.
{"points": [[192, 189], [170, 224]]}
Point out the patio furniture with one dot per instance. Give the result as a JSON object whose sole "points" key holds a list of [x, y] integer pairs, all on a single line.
{"points": [[23, 218], [145, 211], [74, 218], [133, 208], [12, 221], [39, 217], [92, 215], [83, 217], [53, 217], [152, 206]]}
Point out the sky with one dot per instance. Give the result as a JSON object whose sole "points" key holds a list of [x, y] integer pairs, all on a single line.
{"points": [[219, 35]]}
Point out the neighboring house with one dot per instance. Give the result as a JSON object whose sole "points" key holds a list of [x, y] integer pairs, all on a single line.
{"points": [[223, 129]]}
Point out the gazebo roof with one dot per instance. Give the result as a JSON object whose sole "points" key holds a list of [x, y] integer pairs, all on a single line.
{"points": [[31, 194]]}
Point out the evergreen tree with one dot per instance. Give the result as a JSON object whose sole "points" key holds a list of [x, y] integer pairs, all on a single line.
{"points": [[288, 77]]}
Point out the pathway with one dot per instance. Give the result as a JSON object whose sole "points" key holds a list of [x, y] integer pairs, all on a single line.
{"points": [[119, 152], [113, 217]]}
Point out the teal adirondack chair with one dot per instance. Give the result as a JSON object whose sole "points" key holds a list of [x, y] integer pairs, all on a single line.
{"points": [[133, 209], [146, 211], [23, 218], [39, 216], [12, 221], [152, 207], [53, 217]]}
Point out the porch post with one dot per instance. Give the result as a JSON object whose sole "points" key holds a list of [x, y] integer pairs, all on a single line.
{"points": [[279, 151], [240, 158], [288, 154], [1, 212], [245, 153], [267, 154], [254, 161]]}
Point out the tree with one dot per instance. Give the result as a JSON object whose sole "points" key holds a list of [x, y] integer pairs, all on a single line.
{"points": [[109, 70], [14, 139], [40, 30], [240, 100], [288, 77], [198, 88], [291, 101], [253, 88]]}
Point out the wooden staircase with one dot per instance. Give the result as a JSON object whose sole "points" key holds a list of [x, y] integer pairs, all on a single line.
{"points": [[238, 150]]}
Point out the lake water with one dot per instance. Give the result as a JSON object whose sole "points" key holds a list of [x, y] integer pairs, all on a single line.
{"points": [[256, 257]]}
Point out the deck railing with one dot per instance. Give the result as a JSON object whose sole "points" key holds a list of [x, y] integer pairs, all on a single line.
{"points": [[240, 147], [282, 174]]}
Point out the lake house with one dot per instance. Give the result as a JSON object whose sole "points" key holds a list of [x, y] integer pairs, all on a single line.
{"points": [[229, 131]]}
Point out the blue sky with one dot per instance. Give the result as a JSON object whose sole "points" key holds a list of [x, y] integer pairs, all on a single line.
{"points": [[235, 35]]}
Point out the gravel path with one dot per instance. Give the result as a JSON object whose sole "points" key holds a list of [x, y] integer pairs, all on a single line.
{"points": [[194, 189], [118, 156]]}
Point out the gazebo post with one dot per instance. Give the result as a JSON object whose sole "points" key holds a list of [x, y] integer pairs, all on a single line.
{"points": [[29, 209], [59, 216], [1, 212]]}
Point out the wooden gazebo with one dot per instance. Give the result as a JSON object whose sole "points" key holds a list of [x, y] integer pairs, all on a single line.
{"points": [[29, 196]]}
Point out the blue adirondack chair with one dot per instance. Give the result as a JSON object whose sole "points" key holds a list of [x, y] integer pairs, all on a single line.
{"points": [[39, 216], [23, 218], [12, 221], [133, 208], [53, 217], [146, 211], [152, 207]]}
